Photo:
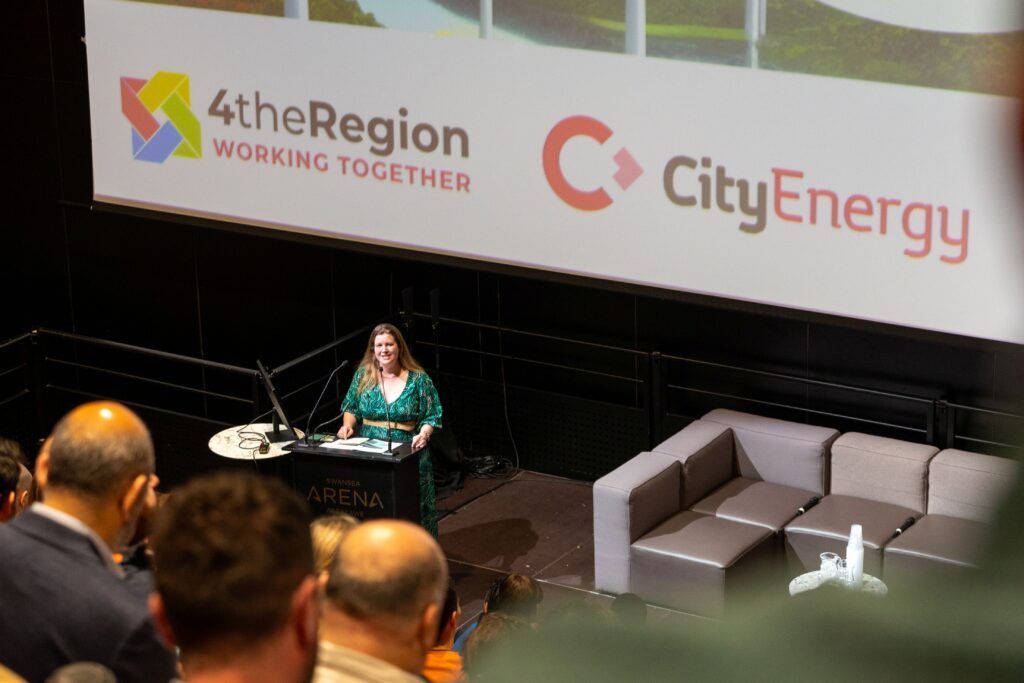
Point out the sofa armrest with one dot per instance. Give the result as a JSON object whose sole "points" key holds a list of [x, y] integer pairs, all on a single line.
{"points": [[628, 502]]}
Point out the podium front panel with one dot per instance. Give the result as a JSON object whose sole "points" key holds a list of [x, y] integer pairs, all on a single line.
{"points": [[366, 486]]}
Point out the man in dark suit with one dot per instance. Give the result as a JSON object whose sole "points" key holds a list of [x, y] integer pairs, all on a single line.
{"points": [[64, 598]]}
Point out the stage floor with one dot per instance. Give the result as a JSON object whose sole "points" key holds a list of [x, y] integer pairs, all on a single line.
{"points": [[532, 524]]}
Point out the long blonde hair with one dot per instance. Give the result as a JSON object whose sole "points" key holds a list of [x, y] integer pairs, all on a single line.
{"points": [[368, 364], [327, 532]]}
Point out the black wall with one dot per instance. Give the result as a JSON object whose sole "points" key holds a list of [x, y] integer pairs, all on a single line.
{"points": [[234, 295]]}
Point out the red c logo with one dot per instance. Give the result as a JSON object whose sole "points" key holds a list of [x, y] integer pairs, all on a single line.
{"points": [[565, 130]]}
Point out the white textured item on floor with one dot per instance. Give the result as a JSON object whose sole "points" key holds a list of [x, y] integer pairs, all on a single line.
{"points": [[816, 579]]}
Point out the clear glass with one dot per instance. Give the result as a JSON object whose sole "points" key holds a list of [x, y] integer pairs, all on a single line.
{"points": [[830, 566]]}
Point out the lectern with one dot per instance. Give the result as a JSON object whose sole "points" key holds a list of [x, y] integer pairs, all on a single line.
{"points": [[364, 485]]}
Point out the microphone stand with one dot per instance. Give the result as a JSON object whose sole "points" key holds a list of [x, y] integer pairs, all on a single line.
{"points": [[322, 425], [317, 404], [387, 410]]}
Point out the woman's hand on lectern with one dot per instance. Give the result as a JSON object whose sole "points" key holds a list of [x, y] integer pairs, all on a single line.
{"points": [[421, 439], [346, 432]]}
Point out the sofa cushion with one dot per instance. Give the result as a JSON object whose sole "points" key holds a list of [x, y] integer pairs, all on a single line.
{"points": [[826, 528], [834, 515], [883, 470], [701, 538], [691, 562], [754, 502], [779, 451], [706, 453], [969, 485], [942, 539]]}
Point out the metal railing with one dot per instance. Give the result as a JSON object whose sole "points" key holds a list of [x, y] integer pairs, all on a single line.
{"points": [[928, 430], [935, 420], [86, 366], [14, 360], [45, 361]]}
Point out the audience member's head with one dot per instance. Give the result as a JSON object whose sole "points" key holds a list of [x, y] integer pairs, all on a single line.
{"points": [[443, 664], [153, 500], [494, 629], [34, 493], [234, 578], [385, 593], [82, 672], [327, 532], [515, 594], [98, 466], [12, 449], [449, 619], [24, 492], [9, 473], [96, 449]]}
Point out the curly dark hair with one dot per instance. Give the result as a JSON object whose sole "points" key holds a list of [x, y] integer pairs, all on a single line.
{"points": [[230, 550]]}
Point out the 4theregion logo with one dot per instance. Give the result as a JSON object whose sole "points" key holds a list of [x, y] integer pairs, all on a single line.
{"points": [[162, 122]]}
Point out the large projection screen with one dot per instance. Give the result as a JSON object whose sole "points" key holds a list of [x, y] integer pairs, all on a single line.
{"points": [[890, 202]]}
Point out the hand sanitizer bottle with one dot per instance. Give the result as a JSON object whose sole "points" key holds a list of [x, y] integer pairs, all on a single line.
{"points": [[855, 557]]}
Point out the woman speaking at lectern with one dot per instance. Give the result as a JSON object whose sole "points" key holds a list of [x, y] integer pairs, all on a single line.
{"points": [[390, 385]]}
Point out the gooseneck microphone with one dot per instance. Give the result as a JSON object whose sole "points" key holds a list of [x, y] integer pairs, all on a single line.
{"points": [[907, 523], [317, 404], [387, 409], [808, 505]]}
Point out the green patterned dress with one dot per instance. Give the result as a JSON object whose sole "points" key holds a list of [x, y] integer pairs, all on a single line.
{"points": [[418, 403]]}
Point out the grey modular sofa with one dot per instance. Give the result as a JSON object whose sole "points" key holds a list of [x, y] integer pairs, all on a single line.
{"points": [[685, 524]]}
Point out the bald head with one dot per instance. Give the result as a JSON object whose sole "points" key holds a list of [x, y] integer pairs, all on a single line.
{"points": [[97, 449], [387, 568]]}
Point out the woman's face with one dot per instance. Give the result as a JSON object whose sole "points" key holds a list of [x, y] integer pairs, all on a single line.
{"points": [[385, 350]]}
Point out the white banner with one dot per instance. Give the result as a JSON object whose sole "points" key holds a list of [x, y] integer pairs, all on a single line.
{"points": [[875, 201]]}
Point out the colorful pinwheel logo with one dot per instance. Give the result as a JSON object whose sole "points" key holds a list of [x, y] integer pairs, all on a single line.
{"points": [[178, 134]]}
